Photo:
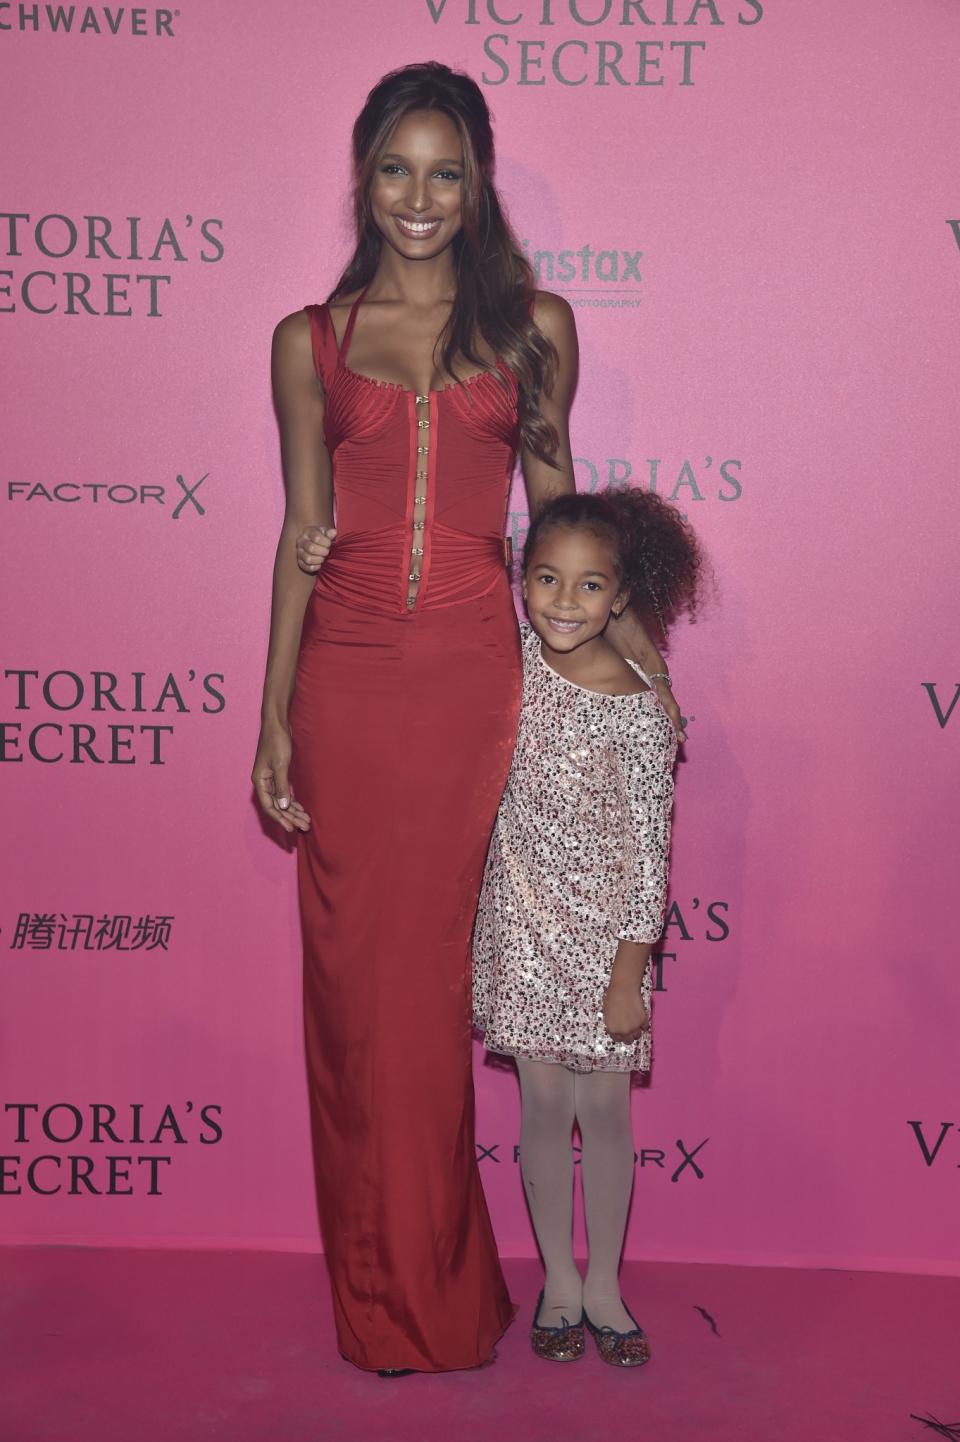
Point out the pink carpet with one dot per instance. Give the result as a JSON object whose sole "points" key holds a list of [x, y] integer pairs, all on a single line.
{"points": [[140, 1346]]}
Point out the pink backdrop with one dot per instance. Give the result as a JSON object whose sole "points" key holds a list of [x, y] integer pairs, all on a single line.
{"points": [[769, 331]]}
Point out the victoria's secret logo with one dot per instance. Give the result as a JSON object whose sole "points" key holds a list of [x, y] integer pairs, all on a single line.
{"points": [[52, 1159], [682, 482], [688, 921], [89, 284], [942, 709], [102, 693], [931, 1139], [679, 481], [593, 42]]}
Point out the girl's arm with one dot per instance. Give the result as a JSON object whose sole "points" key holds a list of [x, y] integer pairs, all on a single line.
{"points": [[309, 502], [646, 766], [555, 319], [646, 758]]}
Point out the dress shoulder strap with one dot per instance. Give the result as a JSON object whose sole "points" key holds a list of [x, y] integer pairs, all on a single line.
{"points": [[351, 322], [324, 342], [327, 354]]}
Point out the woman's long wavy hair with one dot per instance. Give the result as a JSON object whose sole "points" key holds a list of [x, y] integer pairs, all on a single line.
{"points": [[495, 281]]}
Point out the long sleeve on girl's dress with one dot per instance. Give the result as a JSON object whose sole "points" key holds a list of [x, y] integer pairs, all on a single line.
{"points": [[645, 752]]}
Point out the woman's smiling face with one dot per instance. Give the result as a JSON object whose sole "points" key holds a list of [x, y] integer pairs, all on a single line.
{"points": [[417, 188]]}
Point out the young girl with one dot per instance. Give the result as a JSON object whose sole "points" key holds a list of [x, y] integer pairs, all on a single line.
{"points": [[574, 890]]}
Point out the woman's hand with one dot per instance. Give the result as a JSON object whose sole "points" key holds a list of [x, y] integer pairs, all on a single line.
{"points": [[669, 703], [270, 772], [624, 1014], [313, 547], [628, 637]]}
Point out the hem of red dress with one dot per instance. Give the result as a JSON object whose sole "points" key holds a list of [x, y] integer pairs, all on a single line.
{"points": [[486, 1355]]}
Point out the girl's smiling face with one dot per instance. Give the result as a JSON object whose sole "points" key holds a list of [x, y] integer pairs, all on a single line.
{"points": [[570, 587]]}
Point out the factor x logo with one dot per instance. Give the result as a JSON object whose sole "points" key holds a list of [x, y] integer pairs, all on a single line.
{"points": [[174, 501], [660, 1157]]}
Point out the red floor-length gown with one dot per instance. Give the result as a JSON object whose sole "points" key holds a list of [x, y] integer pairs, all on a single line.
{"points": [[403, 721]]}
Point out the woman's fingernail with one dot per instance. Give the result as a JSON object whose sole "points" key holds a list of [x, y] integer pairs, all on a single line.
{"points": [[283, 803]]}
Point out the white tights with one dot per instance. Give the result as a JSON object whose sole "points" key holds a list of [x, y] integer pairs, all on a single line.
{"points": [[553, 1098]]}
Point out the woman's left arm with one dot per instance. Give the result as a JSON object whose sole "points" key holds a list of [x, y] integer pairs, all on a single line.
{"points": [[627, 634], [554, 319]]}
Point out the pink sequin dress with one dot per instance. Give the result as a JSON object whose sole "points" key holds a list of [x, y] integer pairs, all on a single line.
{"points": [[578, 860]]}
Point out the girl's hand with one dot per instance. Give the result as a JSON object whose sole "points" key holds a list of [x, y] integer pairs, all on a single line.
{"points": [[624, 1014], [669, 704], [270, 770], [313, 547]]}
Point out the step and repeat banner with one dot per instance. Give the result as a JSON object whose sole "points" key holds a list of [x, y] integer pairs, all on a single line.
{"points": [[754, 209]]}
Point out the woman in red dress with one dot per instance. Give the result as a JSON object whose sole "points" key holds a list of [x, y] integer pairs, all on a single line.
{"points": [[392, 694]]}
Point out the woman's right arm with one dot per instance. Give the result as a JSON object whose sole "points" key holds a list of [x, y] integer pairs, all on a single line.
{"points": [[309, 502]]}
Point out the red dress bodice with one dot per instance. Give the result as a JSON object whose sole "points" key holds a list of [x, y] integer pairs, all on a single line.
{"points": [[420, 482]]}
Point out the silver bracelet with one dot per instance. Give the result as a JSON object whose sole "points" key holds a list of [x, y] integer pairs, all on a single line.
{"points": [[661, 676]]}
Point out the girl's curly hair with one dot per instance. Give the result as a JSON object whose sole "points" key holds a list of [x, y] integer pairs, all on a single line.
{"points": [[656, 554]]}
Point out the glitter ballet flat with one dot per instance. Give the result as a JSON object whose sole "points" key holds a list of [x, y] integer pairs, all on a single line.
{"points": [[557, 1344], [621, 1349]]}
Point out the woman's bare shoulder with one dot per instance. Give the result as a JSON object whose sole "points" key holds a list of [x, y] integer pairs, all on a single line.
{"points": [[554, 318], [291, 336], [293, 328], [551, 311]]}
